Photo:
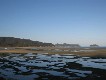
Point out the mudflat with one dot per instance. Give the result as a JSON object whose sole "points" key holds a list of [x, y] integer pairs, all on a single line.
{"points": [[95, 52]]}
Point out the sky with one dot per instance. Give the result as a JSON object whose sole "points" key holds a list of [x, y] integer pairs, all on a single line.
{"points": [[56, 21]]}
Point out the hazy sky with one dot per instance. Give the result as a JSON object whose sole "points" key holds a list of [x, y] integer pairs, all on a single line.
{"points": [[56, 21]]}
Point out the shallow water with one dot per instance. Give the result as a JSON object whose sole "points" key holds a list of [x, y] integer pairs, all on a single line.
{"points": [[51, 67]]}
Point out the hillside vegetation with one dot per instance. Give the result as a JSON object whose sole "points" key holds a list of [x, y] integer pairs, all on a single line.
{"points": [[17, 42]]}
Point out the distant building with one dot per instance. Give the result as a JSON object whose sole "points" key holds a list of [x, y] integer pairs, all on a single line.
{"points": [[65, 45], [94, 46]]}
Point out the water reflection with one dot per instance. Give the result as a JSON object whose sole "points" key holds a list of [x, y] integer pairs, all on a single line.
{"points": [[51, 67]]}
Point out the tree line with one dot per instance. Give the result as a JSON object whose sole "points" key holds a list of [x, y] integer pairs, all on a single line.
{"points": [[17, 42]]}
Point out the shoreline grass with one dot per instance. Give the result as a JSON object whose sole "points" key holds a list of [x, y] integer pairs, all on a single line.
{"points": [[96, 53]]}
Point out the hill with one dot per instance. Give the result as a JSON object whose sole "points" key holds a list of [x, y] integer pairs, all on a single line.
{"points": [[17, 42]]}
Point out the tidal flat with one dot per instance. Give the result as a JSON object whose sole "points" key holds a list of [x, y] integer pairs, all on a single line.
{"points": [[84, 52], [43, 66]]}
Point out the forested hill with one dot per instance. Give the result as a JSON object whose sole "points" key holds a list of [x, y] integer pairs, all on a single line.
{"points": [[17, 42]]}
